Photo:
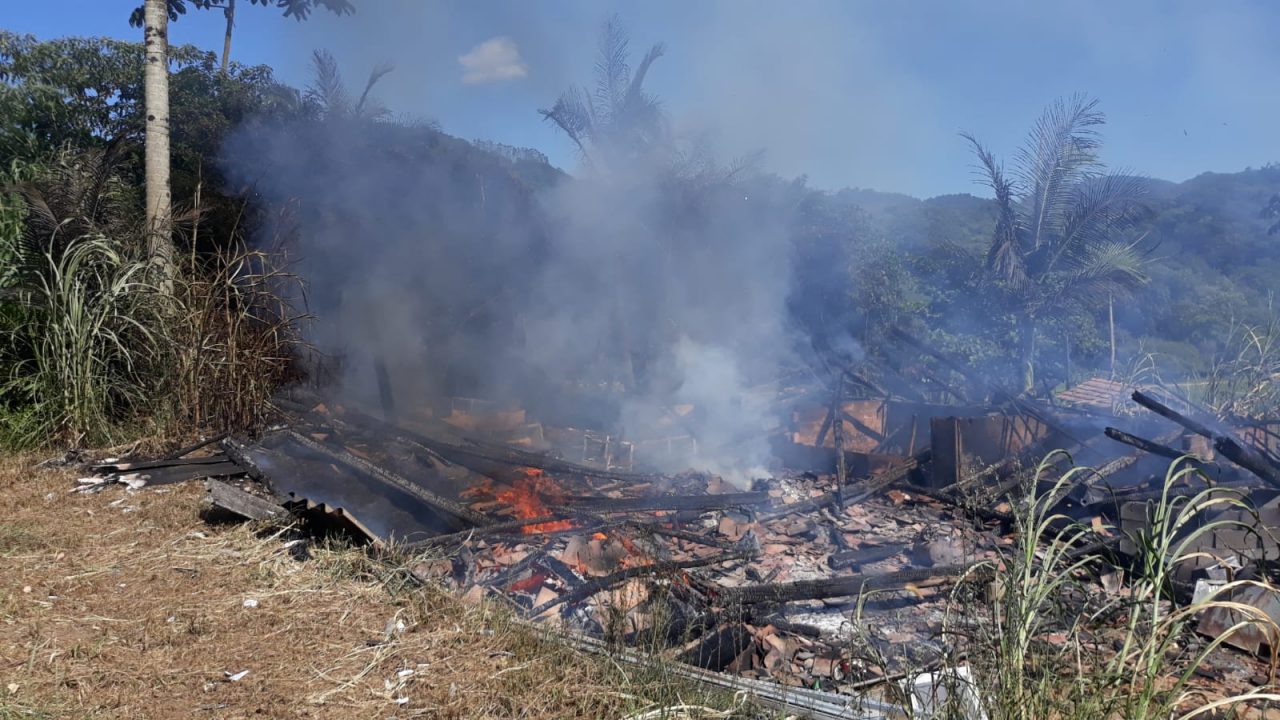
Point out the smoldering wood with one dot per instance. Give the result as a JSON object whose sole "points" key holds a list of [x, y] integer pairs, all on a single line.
{"points": [[488, 530], [854, 585], [1230, 448], [857, 491], [231, 499], [238, 453]]}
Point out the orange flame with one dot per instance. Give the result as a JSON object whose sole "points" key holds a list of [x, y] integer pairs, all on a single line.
{"points": [[525, 497]]}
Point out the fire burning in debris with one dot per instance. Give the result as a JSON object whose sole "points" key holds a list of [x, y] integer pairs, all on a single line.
{"points": [[526, 498]]}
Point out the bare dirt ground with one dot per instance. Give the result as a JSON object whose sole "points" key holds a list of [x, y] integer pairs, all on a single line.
{"points": [[128, 605]]}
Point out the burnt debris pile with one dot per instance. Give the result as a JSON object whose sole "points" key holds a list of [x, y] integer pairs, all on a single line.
{"points": [[833, 576]]}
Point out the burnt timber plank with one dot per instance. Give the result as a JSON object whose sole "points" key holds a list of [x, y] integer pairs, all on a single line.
{"points": [[234, 500], [1230, 448], [853, 585]]}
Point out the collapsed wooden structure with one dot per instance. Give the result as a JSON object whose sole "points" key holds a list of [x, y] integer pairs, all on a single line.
{"points": [[883, 508]]}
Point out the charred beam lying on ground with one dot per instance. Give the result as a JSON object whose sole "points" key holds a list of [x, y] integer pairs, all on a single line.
{"points": [[1231, 448], [230, 499], [700, 503], [136, 465], [588, 589], [854, 585]]}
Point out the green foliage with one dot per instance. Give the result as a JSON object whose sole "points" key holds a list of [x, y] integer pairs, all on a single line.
{"points": [[79, 342], [298, 9], [79, 92]]}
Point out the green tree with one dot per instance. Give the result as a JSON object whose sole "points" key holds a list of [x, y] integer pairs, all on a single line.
{"points": [[1062, 234], [299, 9]]}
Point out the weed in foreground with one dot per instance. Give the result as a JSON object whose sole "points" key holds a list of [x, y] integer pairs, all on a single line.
{"points": [[1046, 650]]}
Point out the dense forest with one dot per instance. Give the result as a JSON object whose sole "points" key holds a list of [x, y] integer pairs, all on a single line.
{"points": [[314, 223]]}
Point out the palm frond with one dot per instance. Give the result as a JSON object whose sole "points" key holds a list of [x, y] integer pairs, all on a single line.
{"points": [[573, 114], [363, 109], [613, 74], [1109, 267], [1006, 257], [635, 90], [1099, 209], [328, 89], [1060, 152]]}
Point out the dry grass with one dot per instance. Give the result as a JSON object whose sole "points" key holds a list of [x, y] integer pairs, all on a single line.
{"points": [[128, 605]]}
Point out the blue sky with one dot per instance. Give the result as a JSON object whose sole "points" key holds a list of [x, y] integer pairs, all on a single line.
{"points": [[860, 94]]}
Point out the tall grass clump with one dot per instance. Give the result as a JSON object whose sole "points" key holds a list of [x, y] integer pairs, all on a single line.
{"points": [[95, 350], [1050, 646], [81, 342], [236, 340]]}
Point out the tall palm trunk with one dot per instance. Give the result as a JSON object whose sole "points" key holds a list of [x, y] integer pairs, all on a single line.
{"points": [[230, 13], [156, 94]]}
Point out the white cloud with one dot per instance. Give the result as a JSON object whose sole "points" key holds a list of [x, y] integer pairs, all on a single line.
{"points": [[493, 60]]}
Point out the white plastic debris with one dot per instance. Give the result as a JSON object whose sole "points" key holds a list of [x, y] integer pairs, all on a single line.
{"points": [[135, 481], [402, 701], [1206, 589], [235, 677], [950, 692], [250, 603]]}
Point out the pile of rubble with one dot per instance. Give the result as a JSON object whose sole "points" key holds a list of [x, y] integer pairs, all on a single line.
{"points": [[808, 587]]}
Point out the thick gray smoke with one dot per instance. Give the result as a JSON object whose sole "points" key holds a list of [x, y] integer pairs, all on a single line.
{"points": [[646, 295]]}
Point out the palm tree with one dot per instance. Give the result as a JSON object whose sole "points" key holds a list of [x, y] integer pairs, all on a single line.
{"points": [[1062, 236], [619, 122], [156, 98], [329, 92]]}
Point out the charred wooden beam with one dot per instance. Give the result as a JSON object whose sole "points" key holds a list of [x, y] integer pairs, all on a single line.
{"points": [[588, 589], [1018, 403], [161, 463], [231, 499], [185, 451], [1146, 445], [854, 585], [700, 503], [1232, 449]]}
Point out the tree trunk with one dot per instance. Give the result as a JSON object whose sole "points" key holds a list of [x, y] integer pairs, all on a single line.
{"points": [[230, 13], [1027, 343], [156, 93]]}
